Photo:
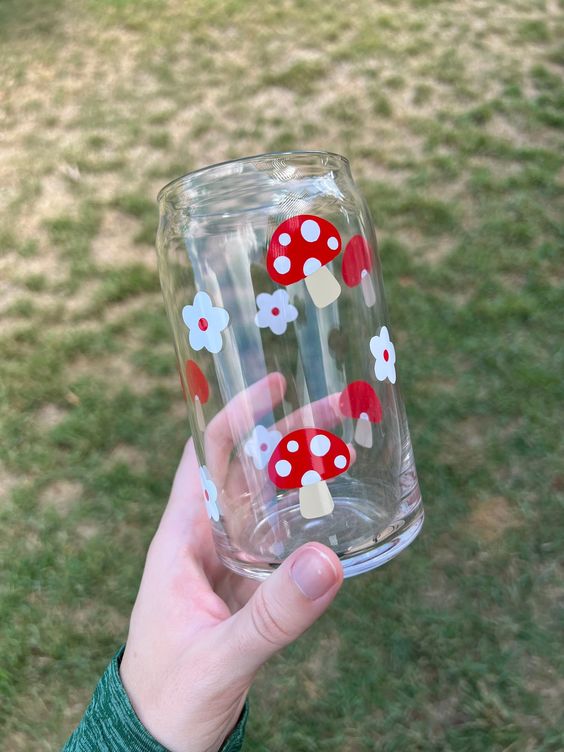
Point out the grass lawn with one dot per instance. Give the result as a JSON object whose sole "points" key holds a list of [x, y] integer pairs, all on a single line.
{"points": [[452, 115]]}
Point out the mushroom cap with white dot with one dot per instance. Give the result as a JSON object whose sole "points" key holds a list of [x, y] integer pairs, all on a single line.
{"points": [[283, 468], [284, 239], [310, 230], [311, 266], [282, 264], [310, 477], [333, 243], [292, 446], [320, 445], [340, 461]]}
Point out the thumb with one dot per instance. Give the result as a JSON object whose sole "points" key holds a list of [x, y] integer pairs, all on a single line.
{"points": [[281, 608]]}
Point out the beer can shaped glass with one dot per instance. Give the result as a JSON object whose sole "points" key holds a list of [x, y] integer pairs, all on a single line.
{"points": [[273, 288]]}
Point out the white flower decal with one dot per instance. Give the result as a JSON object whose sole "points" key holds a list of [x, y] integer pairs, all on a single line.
{"points": [[205, 323], [275, 311], [210, 494], [261, 445], [384, 352]]}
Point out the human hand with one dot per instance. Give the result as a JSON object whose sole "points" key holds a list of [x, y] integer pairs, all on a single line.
{"points": [[199, 632]]}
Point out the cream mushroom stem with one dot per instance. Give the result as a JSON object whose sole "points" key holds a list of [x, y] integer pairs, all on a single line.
{"points": [[363, 433], [323, 287], [367, 287], [200, 421], [316, 500]]}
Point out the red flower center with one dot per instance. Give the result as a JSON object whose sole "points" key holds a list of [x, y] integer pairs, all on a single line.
{"points": [[263, 447], [386, 355], [206, 494], [203, 324], [275, 311]]}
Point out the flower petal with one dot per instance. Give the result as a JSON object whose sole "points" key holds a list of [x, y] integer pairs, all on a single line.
{"points": [[190, 316], [264, 300], [280, 298], [381, 369], [262, 319], [213, 341], [376, 347], [260, 433], [250, 447], [385, 371], [274, 438], [212, 491], [212, 510], [278, 324], [291, 312], [197, 338], [261, 460], [219, 318], [203, 304]]}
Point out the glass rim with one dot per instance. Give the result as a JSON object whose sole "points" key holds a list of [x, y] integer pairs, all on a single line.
{"points": [[201, 171]]}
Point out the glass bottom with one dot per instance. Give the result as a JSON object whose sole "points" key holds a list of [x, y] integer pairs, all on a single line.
{"points": [[361, 538]]}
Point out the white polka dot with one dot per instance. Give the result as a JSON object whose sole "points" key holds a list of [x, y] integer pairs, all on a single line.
{"points": [[282, 264], [340, 461], [311, 266], [284, 239], [320, 445], [292, 446], [283, 468], [310, 230], [333, 243], [310, 477]]}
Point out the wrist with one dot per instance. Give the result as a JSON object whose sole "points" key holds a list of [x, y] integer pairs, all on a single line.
{"points": [[181, 715]]}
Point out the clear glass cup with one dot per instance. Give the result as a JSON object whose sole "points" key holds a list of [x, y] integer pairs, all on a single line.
{"points": [[272, 284]]}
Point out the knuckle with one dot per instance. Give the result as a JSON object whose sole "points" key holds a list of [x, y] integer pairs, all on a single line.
{"points": [[266, 624]]}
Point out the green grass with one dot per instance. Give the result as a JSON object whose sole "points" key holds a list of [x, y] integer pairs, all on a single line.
{"points": [[301, 77], [534, 31], [71, 238], [159, 140], [33, 17], [123, 283], [35, 282], [139, 206], [453, 124]]}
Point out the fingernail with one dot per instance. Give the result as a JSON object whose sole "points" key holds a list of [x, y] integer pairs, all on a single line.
{"points": [[313, 573]]}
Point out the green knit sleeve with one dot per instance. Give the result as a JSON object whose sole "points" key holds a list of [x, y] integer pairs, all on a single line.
{"points": [[110, 724]]}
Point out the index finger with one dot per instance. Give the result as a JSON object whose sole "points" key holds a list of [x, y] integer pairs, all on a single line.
{"points": [[238, 417]]}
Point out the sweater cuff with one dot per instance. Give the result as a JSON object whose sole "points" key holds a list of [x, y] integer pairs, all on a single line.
{"points": [[111, 725]]}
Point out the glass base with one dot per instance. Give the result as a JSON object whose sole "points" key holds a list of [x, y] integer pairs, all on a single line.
{"points": [[344, 530]]}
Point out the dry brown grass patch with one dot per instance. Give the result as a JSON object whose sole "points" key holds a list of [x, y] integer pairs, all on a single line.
{"points": [[49, 416], [62, 495], [128, 455], [114, 244], [490, 518], [321, 666]]}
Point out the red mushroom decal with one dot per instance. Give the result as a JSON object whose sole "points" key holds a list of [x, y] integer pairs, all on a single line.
{"points": [[357, 265], [300, 248], [199, 390], [306, 458], [359, 401]]}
